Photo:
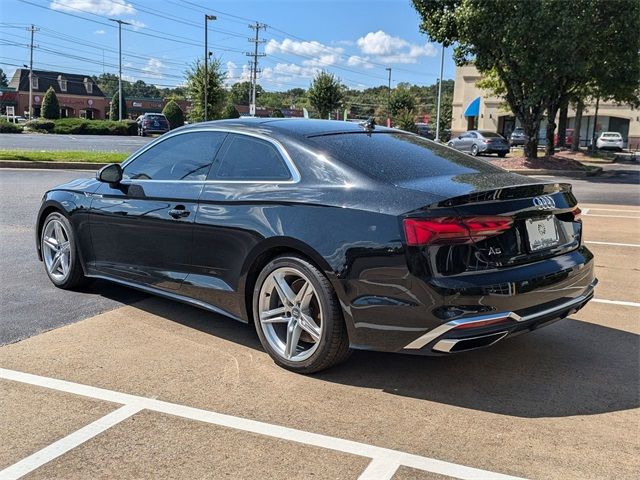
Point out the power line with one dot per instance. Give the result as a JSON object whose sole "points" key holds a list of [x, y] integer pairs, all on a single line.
{"points": [[254, 64]]}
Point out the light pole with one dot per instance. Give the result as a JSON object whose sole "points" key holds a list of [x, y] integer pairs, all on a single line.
{"points": [[206, 65], [120, 23], [439, 96], [388, 69]]}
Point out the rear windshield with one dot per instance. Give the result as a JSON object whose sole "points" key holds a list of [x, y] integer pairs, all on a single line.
{"points": [[611, 135], [396, 157], [155, 117], [490, 135]]}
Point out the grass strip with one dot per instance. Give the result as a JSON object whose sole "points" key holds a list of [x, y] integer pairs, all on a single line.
{"points": [[63, 156]]}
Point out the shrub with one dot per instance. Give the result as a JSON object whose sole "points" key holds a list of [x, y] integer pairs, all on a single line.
{"points": [[115, 105], [174, 114], [405, 121], [50, 105], [230, 112], [277, 113], [40, 125], [9, 127]]}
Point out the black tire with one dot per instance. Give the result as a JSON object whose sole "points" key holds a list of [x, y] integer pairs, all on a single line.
{"points": [[333, 347], [502, 154], [450, 144], [76, 277], [474, 150]]}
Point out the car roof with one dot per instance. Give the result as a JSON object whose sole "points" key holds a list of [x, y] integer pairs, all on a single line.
{"points": [[293, 126]]}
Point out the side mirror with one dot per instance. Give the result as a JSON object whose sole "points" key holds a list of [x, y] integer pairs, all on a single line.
{"points": [[111, 173]]}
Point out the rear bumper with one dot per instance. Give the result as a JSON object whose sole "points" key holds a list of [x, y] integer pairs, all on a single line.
{"points": [[479, 331]]}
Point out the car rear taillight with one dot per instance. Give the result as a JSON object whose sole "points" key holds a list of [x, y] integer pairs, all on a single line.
{"points": [[453, 230], [577, 214], [146, 122]]}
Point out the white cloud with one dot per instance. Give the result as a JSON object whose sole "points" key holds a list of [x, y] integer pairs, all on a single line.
{"points": [[286, 73], [100, 7], [358, 61], [99, 32], [312, 49], [389, 49], [234, 76], [153, 68], [135, 24]]}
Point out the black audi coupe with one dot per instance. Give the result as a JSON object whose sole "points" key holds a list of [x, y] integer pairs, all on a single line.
{"points": [[328, 236]]}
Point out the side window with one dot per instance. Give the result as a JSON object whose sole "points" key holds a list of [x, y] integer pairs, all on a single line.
{"points": [[187, 156], [473, 135], [248, 158]]}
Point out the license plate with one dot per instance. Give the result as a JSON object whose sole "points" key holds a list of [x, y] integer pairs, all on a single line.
{"points": [[542, 233]]}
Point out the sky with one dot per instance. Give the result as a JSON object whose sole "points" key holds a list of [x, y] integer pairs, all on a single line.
{"points": [[355, 40]]}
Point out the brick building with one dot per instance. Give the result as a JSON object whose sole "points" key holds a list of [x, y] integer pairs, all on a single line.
{"points": [[79, 95]]}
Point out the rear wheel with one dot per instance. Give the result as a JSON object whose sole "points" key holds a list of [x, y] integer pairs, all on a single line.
{"points": [[297, 316], [502, 154], [474, 150], [60, 254]]}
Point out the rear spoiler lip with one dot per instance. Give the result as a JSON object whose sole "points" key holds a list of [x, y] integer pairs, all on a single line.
{"points": [[503, 193]]}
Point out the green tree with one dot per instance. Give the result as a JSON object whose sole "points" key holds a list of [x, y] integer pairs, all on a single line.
{"points": [[401, 100], [325, 93], [108, 83], [241, 93], [142, 89], [277, 113], [230, 111], [538, 50], [3, 79], [50, 105], [115, 107], [405, 120], [216, 93], [174, 114]]}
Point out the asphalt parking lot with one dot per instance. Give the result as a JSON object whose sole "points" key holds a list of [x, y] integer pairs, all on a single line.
{"points": [[131, 386]]}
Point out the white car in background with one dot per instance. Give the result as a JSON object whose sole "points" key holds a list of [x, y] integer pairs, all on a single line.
{"points": [[610, 140]]}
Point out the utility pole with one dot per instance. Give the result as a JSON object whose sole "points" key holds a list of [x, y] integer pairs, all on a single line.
{"points": [[33, 30], [439, 95], [388, 69], [120, 23], [254, 64], [206, 65]]}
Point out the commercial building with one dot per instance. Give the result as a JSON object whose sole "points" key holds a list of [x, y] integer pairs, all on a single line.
{"points": [[474, 108], [78, 95]]}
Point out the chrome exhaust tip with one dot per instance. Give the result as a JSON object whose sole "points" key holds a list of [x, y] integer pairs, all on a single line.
{"points": [[454, 345]]}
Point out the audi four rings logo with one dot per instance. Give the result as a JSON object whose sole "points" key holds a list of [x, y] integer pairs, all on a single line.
{"points": [[544, 202]]}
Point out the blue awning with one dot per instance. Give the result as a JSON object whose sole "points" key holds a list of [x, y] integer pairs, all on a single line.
{"points": [[473, 109]]}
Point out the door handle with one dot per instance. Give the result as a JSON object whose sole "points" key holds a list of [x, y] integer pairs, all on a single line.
{"points": [[179, 212]]}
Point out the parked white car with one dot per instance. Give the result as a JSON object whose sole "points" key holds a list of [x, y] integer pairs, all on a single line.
{"points": [[610, 140]]}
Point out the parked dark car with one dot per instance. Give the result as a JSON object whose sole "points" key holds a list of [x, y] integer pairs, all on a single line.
{"points": [[480, 142], [328, 236], [152, 123], [518, 137], [424, 130]]}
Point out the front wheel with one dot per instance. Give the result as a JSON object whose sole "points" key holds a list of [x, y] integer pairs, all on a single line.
{"points": [[297, 316], [60, 253], [502, 154], [474, 150]]}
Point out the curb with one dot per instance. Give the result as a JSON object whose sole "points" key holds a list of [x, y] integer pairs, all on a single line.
{"points": [[51, 165], [562, 173]]}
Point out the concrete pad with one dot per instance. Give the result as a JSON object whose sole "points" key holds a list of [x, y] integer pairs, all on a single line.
{"points": [[618, 269], [617, 317], [610, 229], [559, 398], [406, 473], [154, 445], [32, 418]]}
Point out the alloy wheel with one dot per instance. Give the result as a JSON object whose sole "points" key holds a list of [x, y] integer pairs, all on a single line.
{"points": [[56, 250], [290, 314]]}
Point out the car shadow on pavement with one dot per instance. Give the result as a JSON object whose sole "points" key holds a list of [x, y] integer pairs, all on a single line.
{"points": [[569, 368]]}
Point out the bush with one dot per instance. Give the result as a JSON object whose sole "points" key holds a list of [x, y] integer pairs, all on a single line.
{"points": [[9, 127], [40, 125], [405, 121], [50, 105], [115, 105], [277, 113], [230, 112], [174, 114]]}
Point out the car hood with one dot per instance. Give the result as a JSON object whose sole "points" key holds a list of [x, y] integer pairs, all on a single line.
{"points": [[86, 185]]}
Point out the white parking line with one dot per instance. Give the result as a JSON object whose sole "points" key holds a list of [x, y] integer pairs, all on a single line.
{"points": [[616, 302], [610, 210], [610, 216], [613, 244], [67, 443], [384, 460]]}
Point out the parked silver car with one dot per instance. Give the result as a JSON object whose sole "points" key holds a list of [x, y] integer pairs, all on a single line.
{"points": [[478, 142]]}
